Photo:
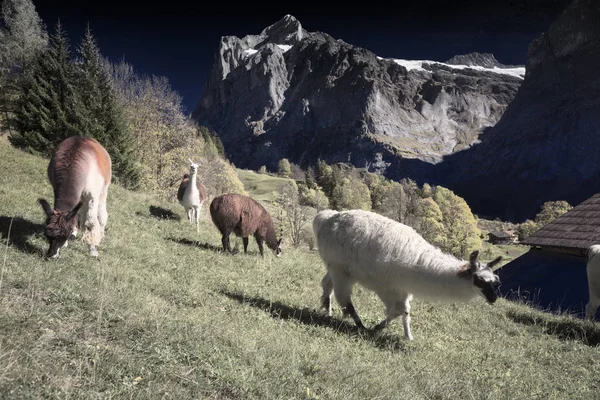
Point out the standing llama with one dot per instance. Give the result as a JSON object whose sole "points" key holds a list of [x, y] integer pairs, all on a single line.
{"points": [[80, 173], [244, 217], [191, 195], [593, 275], [395, 262]]}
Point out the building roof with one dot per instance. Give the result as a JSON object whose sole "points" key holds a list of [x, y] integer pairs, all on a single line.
{"points": [[577, 229], [502, 234]]}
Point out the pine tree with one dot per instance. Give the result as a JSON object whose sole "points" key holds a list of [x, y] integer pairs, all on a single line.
{"points": [[22, 36], [101, 117], [218, 144], [46, 112]]}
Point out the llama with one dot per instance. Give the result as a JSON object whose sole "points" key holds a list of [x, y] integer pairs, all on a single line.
{"points": [[395, 262], [593, 275], [244, 217], [192, 196], [80, 173]]}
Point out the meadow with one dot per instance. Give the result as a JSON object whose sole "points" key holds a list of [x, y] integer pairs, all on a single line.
{"points": [[164, 314]]}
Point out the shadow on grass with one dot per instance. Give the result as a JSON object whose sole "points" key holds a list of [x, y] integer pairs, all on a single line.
{"points": [[308, 316], [195, 243], [20, 231], [586, 332], [164, 213]]}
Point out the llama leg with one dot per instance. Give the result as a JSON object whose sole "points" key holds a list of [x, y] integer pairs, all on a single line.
{"points": [[91, 227], [327, 286], [102, 213], [225, 241], [406, 318], [592, 307], [395, 307], [190, 213], [342, 289], [245, 240], [259, 241], [198, 210]]}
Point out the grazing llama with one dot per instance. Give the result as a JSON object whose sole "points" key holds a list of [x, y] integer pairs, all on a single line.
{"points": [[395, 262], [80, 173], [191, 195], [244, 217], [593, 275]]}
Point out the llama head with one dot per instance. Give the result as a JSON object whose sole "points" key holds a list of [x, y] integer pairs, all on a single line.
{"points": [[193, 167], [278, 248], [60, 226], [483, 277]]}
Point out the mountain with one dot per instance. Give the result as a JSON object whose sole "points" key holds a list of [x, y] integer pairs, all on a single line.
{"points": [[546, 146], [486, 60], [305, 95]]}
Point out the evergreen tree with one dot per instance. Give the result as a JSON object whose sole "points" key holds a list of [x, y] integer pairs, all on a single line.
{"points": [[101, 117], [284, 168], [46, 111], [22, 36], [309, 178], [218, 144]]}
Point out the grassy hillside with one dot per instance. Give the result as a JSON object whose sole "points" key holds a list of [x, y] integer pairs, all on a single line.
{"points": [[163, 314], [261, 186]]}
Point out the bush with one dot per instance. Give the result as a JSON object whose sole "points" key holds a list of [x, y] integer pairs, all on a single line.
{"points": [[284, 169]]}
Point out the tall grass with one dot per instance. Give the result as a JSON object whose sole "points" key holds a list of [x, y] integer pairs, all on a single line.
{"points": [[163, 313]]}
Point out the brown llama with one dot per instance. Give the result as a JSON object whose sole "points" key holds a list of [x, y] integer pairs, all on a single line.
{"points": [[244, 217], [80, 173]]}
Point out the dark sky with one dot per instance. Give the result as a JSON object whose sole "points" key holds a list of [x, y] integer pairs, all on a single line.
{"points": [[179, 39]]}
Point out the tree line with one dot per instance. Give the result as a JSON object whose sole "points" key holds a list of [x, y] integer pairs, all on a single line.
{"points": [[439, 215], [48, 93]]}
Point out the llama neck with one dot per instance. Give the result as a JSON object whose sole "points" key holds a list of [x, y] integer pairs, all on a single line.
{"points": [[65, 199], [445, 283], [271, 238]]}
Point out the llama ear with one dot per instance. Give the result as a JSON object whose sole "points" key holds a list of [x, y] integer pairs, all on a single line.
{"points": [[279, 242], [473, 260], [190, 160], [46, 207], [473, 256], [74, 211], [492, 263]]}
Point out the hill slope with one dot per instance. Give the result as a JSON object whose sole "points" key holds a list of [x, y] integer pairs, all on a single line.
{"points": [[163, 314]]}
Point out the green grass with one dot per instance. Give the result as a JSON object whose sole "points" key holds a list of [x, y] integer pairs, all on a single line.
{"points": [[261, 186], [164, 314]]}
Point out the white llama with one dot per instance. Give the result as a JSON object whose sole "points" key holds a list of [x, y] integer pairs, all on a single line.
{"points": [[191, 195], [593, 275], [395, 262]]}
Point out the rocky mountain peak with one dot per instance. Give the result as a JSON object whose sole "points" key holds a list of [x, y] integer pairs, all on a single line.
{"points": [[287, 30], [486, 60], [289, 93]]}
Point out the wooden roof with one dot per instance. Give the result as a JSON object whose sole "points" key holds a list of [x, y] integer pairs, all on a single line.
{"points": [[501, 234], [576, 229]]}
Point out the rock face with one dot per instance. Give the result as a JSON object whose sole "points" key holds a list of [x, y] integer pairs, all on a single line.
{"points": [[486, 60], [290, 93], [547, 144]]}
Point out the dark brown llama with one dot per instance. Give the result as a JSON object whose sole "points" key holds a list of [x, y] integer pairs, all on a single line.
{"points": [[244, 217]]}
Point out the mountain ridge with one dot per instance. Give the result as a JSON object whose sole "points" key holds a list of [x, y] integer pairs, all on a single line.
{"points": [[305, 95]]}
